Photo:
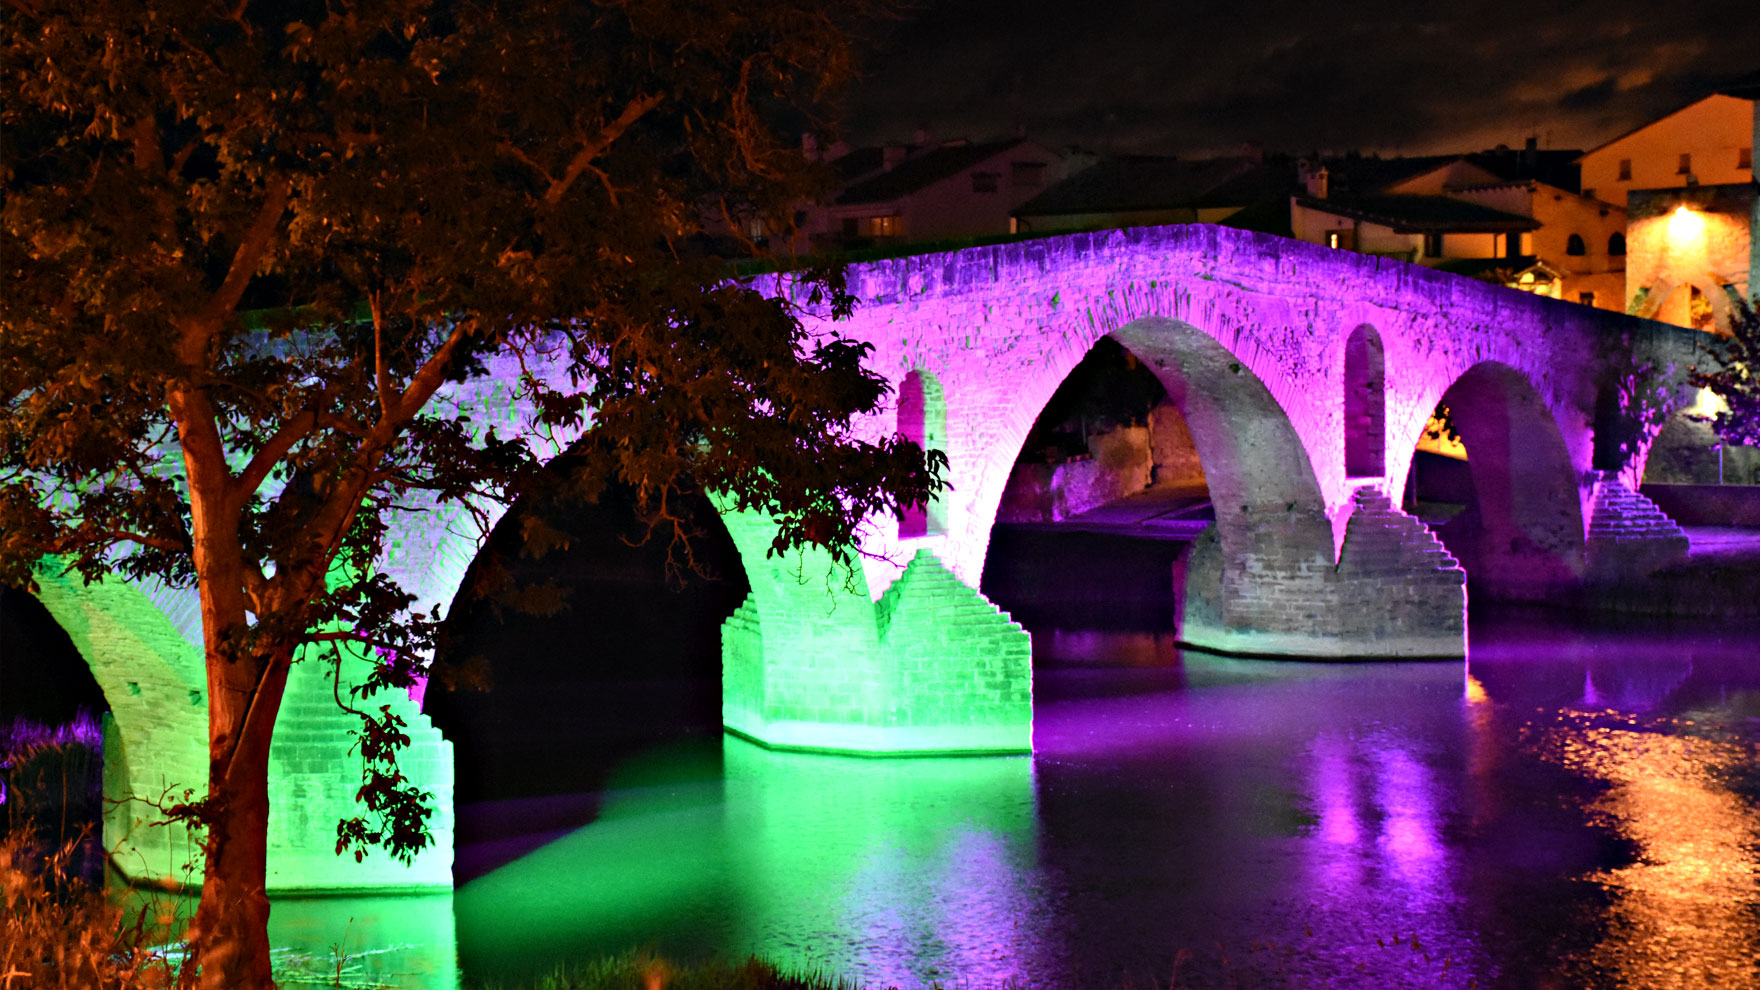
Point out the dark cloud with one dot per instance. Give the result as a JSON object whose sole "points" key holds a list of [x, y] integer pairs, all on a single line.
{"points": [[1390, 75]]}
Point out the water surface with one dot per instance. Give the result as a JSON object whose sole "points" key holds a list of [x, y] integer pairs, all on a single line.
{"points": [[1577, 805]]}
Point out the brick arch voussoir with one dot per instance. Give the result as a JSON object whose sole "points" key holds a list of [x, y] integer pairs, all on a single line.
{"points": [[1262, 480]]}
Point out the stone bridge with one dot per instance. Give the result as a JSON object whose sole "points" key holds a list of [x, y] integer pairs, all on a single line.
{"points": [[1305, 376]]}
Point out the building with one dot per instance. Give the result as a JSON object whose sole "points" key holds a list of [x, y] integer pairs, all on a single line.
{"points": [[1707, 143], [1687, 180], [928, 191], [1515, 216]]}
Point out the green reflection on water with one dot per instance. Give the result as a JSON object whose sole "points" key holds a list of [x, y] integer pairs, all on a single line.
{"points": [[878, 869]]}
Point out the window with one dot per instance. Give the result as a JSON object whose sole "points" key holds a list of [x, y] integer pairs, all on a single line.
{"points": [[1342, 239], [870, 226], [1686, 167], [1575, 245], [1586, 298], [1625, 170], [985, 182], [1027, 175], [1432, 245], [1616, 244], [1745, 158]]}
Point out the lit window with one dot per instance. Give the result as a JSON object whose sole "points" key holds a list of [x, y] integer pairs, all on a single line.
{"points": [[1575, 245], [1332, 238], [1432, 245], [1744, 158], [1625, 169], [985, 182], [1027, 175], [882, 226], [1686, 167], [1616, 244]]}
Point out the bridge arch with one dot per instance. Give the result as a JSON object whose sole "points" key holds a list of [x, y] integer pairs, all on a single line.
{"points": [[1523, 536], [1657, 296]]}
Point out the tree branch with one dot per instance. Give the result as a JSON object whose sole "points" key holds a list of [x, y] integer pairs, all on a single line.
{"points": [[583, 159], [249, 255]]}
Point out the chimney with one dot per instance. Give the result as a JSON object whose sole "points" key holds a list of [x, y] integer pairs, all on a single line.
{"points": [[1318, 182], [891, 155], [1531, 154]]}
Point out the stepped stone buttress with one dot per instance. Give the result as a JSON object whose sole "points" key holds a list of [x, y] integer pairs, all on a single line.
{"points": [[1629, 535], [1393, 592]]}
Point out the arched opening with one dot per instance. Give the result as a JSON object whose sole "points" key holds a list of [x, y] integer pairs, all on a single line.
{"points": [[1105, 495], [547, 703], [1574, 245], [922, 417], [1365, 406], [1693, 302], [1200, 521], [1616, 244], [51, 711], [1498, 487]]}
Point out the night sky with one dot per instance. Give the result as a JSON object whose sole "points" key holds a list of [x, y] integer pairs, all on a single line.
{"points": [[1394, 76]]}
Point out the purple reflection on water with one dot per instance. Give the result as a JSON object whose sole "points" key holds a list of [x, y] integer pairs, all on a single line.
{"points": [[1575, 808]]}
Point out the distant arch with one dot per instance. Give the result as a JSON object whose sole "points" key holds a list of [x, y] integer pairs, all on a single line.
{"points": [[1522, 537], [1616, 244], [1365, 404], [1655, 300], [922, 418], [1574, 245]]}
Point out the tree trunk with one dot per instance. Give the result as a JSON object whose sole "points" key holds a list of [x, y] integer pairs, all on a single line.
{"points": [[229, 939]]}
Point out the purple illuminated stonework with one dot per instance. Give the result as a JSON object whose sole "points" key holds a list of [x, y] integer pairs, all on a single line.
{"points": [[1305, 376]]}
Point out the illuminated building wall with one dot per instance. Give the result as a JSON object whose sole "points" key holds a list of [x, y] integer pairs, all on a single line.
{"points": [[1703, 238]]}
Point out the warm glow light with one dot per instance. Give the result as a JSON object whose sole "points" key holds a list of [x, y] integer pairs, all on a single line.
{"points": [[1706, 404], [1685, 224]]}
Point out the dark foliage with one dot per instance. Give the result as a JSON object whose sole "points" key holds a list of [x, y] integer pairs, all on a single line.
{"points": [[245, 248]]}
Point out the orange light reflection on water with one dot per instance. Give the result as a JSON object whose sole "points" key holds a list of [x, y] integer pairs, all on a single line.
{"points": [[1682, 914]]}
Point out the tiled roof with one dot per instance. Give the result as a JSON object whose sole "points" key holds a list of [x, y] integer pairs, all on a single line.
{"points": [[1423, 214], [921, 170]]}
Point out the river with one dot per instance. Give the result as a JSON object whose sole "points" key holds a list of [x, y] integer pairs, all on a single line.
{"points": [[1577, 805]]}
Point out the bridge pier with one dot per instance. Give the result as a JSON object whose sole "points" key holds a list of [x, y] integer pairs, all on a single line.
{"points": [[1393, 592], [152, 672], [932, 667]]}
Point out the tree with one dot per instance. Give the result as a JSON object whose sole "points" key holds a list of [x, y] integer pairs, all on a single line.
{"points": [[244, 248], [1736, 377]]}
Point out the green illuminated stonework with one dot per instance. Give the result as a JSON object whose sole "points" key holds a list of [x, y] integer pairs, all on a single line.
{"points": [[140, 645], [932, 667]]}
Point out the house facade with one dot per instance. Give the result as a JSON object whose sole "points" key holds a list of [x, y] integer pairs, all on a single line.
{"points": [[930, 192], [1693, 230], [1708, 143], [1472, 214]]}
